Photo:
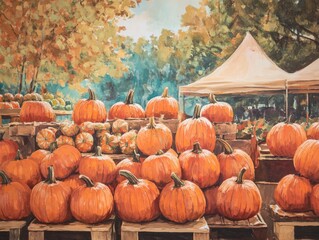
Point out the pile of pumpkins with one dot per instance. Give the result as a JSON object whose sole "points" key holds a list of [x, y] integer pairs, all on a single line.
{"points": [[182, 186]]}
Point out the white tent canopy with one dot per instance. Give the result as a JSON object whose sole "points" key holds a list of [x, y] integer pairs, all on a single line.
{"points": [[247, 71]]}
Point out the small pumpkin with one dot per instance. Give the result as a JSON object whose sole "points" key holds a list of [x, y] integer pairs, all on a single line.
{"points": [[128, 142], [120, 126], [158, 168], [5, 105], [127, 109], [136, 200], [200, 166], [217, 112], [14, 199], [314, 199], [38, 155], [22, 170], [15, 105], [99, 168], [91, 203], [64, 140], [55, 196], [110, 143], [89, 110], [8, 97], [238, 199], [87, 127], [292, 193], [84, 142], [73, 181], [69, 129], [162, 105], [36, 97], [18, 98], [36, 112], [196, 129], [102, 126], [8, 149], [211, 200], [154, 137], [27, 97], [45, 138], [182, 201], [233, 160], [134, 166]]}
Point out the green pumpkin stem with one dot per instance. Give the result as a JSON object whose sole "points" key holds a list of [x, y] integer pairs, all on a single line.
{"points": [[5, 179], [129, 97], [226, 145], [240, 175], [152, 123], [91, 94], [197, 111], [132, 179], [136, 156], [53, 146], [177, 181], [1, 135], [19, 155], [196, 148], [98, 151], [165, 93], [87, 180], [51, 178], [212, 98]]}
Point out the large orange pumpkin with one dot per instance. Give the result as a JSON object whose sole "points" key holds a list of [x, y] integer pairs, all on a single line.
{"points": [[128, 142], [196, 129], [64, 159], [90, 109], [50, 200], [8, 149], [292, 193], [36, 111], [233, 160], [134, 166], [200, 166], [92, 202], [154, 137], [127, 109], [22, 170], [110, 143], [136, 200], [238, 199], [84, 142], [45, 138], [14, 199], [162, 105], [217, 112], [314, 199], [283, 139], [182, 201], [211, 200], [306, 159], [100, 168]]}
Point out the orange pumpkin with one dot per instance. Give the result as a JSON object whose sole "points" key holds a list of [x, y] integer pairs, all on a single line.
{"points": [[15, 105], [102, 126], [134, 166], [45, 138], [238, 199], [87, 127], [154, 137], [14, 199], [36, 111], [1, 98], [283, 139], [91, 203], [69, 129], [292, 193], [314, 199], [162, 105], [200, 166], [217, 112], [64, 140], [306, 160], [127, 109], [5, 105], [73, 181], [196, 129], [211, 200], [90, 109], [182, 201], [233, 160], [84, 142], [100, 168], [38, 155], [158, 168], [313, 131], [128, 142], [22, 170], [8, 97], [120, 126], [50, 200], [136, 200], [110, 143], [8, 149], [64, 159], [18, 98], [172, 151]]}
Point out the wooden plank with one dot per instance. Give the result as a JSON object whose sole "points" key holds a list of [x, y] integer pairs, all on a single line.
{"points": [[162, 225], [5, 226], [10, 112], [280, 215], [36, 235], [284, 232], [100, 236], [14, 234], [129, 235], [201, 236]]}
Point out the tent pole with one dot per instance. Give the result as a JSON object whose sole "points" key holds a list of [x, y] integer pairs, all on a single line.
{"points": [[307, 108], [287, 105]]}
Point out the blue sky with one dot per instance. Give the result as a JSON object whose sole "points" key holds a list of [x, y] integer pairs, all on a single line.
{"points": [[151, 16]]}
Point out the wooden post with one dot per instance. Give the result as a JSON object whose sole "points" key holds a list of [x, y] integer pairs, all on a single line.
{"points": [[307, 108], [287, 105]]}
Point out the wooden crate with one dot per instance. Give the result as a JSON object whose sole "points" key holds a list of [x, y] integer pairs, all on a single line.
{"points": [[226, 131], [13, 227], [256, 224], [98, 231], [199, 229], [285, 222]]}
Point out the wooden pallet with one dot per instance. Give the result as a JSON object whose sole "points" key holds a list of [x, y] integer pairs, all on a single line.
{"points": [[199, 228], [256, 224], [285, 222], [13, 227], [98, 231]]}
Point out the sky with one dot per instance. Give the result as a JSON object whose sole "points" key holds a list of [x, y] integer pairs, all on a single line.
{"points": [[151, 16]]}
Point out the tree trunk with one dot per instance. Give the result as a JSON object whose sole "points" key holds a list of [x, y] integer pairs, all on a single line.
{"points": [[21, 75]]}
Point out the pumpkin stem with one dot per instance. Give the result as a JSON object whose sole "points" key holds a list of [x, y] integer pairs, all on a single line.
{"points": [[1, 135], [165, 93], [51, 178], [290, 119], [196, 148], [91, 94], [136, 157], [19, 155], [197, 111], [177, 181], [53, 146], [129, 97], [152, 123], [5, 179], [87, 180], [132, 179], [212, 98], [240, 175], [98, 151], [160, 152], [226, 145]]}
